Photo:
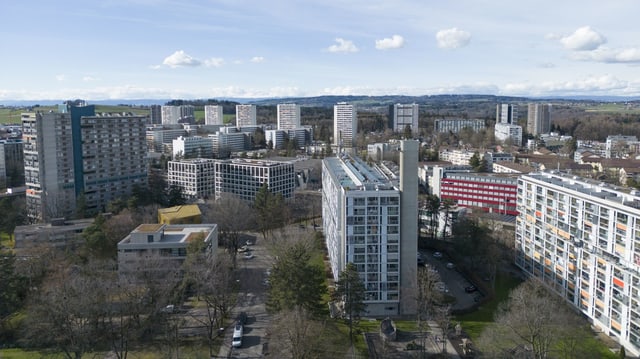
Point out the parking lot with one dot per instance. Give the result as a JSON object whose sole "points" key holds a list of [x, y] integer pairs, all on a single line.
{"points": [[454, 282]]}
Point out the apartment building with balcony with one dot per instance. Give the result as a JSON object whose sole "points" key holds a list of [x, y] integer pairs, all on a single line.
{"points": [[213, 115], [288, 116], [74, 154], [345, 125], [582, 239], [371, 220], [245, 115]]}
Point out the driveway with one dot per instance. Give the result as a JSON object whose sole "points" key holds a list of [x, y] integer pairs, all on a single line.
{"points": [[251, 300], [454, 281]]}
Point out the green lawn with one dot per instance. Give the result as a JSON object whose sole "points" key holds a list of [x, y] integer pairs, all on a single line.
{"points": [[613, 108], [5, 240], [186, 350], [474, 323]]}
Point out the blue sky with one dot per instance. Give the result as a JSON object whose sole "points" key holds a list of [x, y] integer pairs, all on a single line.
{"points": [[117, 49]]}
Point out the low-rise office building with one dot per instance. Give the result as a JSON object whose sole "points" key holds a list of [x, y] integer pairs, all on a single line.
{"points": [[243, 178], [194, 176]]}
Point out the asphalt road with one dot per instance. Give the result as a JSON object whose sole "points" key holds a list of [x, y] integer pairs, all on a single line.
{"points": [[454, 281], [251, 300]]}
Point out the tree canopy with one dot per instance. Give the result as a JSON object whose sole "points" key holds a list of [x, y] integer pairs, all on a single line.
{"points": [[296, 281]]}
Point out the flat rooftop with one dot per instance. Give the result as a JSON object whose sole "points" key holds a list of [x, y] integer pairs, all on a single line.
{"points": [[170, 234], [353, 173], [627, 196]]}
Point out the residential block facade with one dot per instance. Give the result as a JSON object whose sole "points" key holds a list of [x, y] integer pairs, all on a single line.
{"points": [[582, 239], [345, 125], [405, 115], [245, 115], [288, 116], [372, 222], [213, 115], [456, 125], [76, 155], [539, 119]]}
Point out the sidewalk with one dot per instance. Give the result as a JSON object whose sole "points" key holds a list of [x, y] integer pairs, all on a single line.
{"points": [[435, 341]]}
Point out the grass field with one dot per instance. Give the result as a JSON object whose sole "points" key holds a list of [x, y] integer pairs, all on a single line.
{"points": [[5, 240], [474, 323], [185, 351], [621, 108]]}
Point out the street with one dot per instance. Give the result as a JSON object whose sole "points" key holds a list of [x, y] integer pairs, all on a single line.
{"points": [[251, 274]]}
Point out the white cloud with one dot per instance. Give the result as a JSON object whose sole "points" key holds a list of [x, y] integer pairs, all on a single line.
{"points": [[257, 59], [594, 85], [180, 59], [61, 77], [394, 42], [607, 55], [89, 78], [583, 39], [214, 62], [546, 65], [453, 38], [343, 46]]}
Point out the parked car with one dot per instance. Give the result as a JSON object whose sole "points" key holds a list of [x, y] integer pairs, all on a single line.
{"points": [[451, 265], [243, 249], [237, 336], [248, 255], [470, 289], [241, 318], [420, 260], [437, 255], [168, 309]]}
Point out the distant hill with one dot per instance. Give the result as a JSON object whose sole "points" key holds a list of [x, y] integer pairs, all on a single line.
{"points": [[329, 101]]}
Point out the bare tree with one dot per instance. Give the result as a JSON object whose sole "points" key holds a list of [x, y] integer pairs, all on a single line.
{"points": [[212, 284], [442, 317], [427, 297], [67, 312], [296, 335], [532, 323], [232, 215]]}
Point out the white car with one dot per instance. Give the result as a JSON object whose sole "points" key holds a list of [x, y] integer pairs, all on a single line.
{"points": [[237, 336], [248, 255], [437, 255], [451, 265]]}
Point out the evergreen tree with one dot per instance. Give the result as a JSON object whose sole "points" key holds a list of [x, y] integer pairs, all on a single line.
{"points": [[296, 282], [350, 289]]}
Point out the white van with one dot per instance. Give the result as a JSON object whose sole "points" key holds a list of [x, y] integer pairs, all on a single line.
{"points": [[237, 336]]}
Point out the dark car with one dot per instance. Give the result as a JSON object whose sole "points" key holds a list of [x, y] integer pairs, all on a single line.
{"points": [[470, 289], [242, 318]]}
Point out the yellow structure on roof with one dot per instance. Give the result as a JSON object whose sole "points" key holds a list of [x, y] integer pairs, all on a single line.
{"points": [[186, 214]]}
